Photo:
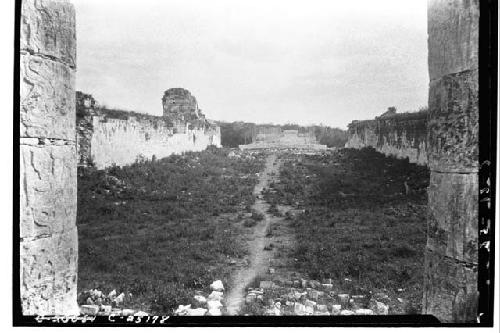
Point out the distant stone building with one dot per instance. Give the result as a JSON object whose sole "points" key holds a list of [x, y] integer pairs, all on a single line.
{"points": [[274, 137]]}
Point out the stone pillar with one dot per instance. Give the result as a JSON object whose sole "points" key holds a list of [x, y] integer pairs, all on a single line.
{"points": [[450, 279], [48, 235]]}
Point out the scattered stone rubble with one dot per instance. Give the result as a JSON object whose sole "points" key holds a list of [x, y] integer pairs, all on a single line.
{"points": [[96, 303], [310, 297], [204, 306]]}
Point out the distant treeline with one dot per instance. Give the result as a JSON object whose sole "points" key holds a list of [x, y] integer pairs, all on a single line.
{"points": [[241, 133]]}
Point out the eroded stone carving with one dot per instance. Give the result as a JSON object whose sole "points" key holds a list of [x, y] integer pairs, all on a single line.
{"points": [[48, 234], [450, 283]]}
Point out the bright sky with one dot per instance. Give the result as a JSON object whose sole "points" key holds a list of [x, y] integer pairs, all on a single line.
{"points": [[303, 61]]}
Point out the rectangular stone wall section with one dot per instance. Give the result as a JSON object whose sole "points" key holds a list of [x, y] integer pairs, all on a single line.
{"points": [[451, 258], [401, 135], [112, 137], [48, 234]]}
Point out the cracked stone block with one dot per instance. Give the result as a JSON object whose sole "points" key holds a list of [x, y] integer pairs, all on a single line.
{"points": [[49, 274], [48, 29], [453, 126], [47, 99], [451, 289], [453, 28], [47, 189], [452, 227]]}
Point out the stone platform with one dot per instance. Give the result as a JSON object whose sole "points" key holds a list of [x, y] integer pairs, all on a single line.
{"points": [[276, 139], [283, 146]]}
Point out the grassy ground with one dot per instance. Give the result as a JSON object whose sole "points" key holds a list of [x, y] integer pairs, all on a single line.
{"points": [[162, 229], [358, 225]]}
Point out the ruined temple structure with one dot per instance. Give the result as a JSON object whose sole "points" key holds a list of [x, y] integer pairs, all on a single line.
{"points": [[273, 137], [180, 104], [108, 137]]}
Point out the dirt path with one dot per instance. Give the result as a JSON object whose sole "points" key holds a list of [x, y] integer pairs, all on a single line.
{"points": [[258, 257]]}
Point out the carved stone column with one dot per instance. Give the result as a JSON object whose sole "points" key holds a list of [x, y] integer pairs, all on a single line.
{"points": [[48, 235], [450, 280]]}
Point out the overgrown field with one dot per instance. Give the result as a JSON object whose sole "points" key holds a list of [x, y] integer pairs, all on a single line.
{"points": [[159, 230], [363, 222]]}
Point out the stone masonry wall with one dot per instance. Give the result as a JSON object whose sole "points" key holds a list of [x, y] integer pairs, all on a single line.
{"points": [[451, 257], [401, 135], [48, 234], [107, 137]]}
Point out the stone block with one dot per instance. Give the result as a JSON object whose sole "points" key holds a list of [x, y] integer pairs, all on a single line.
{"points": [[47, 189], [346, 313], [364, 312], [379, 308], [106, 309], [450, 289], [453, 29], [47, 99], [452, 221], [299, 309], [344, 300], [48, 274], [90, 310], [453, 125], [128, 312], [321, 308], [336, 308], [48, 29]]}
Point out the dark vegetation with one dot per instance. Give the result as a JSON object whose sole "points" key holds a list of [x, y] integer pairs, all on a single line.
{"points": [[237, 133], [240, 133], [160, 230], [360, 225]]}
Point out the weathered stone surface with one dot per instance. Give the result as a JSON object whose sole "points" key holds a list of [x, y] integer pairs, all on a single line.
{"points": [[47, 189], [336, 308], [453, 28], [47, 98], [217, 286], [273, 137], [90, 310], [452, 215], [450, 289], [179, 102], [362, 134], [48, 29], [48, 235], [453, 141], [107, 137], [364, 312], [450, 279], [400, 135], [49, 273]]}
